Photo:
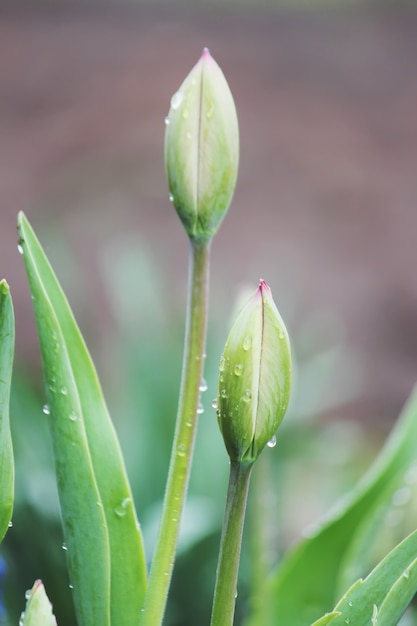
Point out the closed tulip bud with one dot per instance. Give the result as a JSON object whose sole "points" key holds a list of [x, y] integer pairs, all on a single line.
{"points": [[255, 378], [202, 148], [38, 608]]}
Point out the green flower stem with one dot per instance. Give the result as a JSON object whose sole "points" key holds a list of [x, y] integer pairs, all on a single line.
{"points": [[182, 450], [230, 544]]}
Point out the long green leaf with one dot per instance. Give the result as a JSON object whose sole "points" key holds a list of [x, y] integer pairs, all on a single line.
{"points": [[385, 594], [306, 583], [6, 364], [103, 539]]}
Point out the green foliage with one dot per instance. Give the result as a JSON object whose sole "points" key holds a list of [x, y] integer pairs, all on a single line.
{"points": [[6, 363], [307, 580], [384, 595], [103, 541], [97, 506]]}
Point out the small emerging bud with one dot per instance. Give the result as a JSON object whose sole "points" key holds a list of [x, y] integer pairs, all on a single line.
{"points": [[202, 148], [38, 608], [255, 378]]}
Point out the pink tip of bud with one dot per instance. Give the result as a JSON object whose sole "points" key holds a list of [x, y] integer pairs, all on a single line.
{"points": [[206, 53], [263, 285]]}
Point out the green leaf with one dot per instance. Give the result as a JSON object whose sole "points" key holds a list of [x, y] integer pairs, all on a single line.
{"points": [[309, 576], [6, 365], [103, 540], [385, 594], [326, 619], [38, 610]]}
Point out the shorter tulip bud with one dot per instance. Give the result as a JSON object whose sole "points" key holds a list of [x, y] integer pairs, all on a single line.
{"points": [[202, 148], [255, 378], [38, 608]]}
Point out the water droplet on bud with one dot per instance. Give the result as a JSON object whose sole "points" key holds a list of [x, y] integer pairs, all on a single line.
{"points": [[46, 409], [272, 442], [247, 342], [238, 369], [176, 100]]}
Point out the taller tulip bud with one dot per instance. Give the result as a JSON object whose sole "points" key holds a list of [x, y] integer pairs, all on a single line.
{"points": [[255, 378], [202, 148]]}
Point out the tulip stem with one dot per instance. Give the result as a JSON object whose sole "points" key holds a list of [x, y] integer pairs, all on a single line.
{"points": [[184, 437], [225, 591]]}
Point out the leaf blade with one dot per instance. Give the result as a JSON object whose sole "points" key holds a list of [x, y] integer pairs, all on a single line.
{"points": [[7, 333], [308, 576], [68, 366]]}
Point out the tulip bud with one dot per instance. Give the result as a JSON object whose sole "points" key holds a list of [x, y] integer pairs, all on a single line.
{"points": [[38, 608], [255, 378], [202, 148]]}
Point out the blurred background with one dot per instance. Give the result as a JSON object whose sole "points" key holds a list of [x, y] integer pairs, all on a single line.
{"points": [[325, 211]]}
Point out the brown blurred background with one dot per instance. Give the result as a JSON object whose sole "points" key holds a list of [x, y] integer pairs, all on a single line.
{"points": [[326, 203]]}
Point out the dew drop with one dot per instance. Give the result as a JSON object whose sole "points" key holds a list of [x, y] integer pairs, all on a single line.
{"points": [[350, 603], [176, 100], [247, 342], [20, 248], [71, 586], [222, 363], [347, 620], [272, 442], [27, 594], [203, 385], [167, 121], [22, 619], [121, 509], [223, 393], [46, 409], [238, 369], [200, 409], [171, 197], [214, 403], [64, 391], [181, 450], [73, 416], [247, 396], [406, 573], [64, 547], [10, 524]]}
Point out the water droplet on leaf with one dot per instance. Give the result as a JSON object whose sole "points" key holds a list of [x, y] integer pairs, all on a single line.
{"points": [[238, 369], [46, 409], [121, 509]]}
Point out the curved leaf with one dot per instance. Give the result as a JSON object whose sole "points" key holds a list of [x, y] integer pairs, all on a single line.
{"points": [[385, 594], [103, 539], [306, 583], [6, 365]]}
